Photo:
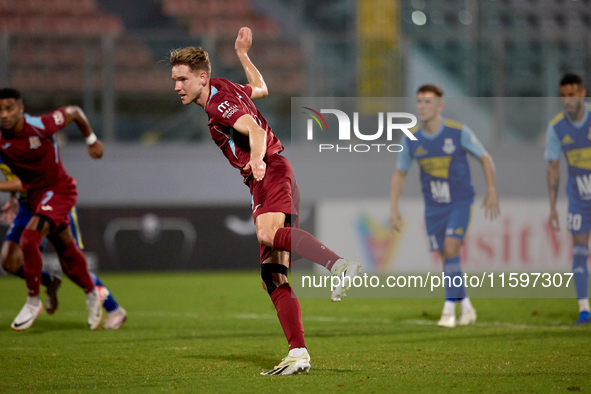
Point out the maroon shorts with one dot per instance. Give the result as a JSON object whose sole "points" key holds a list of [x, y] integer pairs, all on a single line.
{"points": [[277, 192], [54, 203]]}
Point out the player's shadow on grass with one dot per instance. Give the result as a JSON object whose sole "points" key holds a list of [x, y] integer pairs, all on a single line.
{"points": [[257, 360]]}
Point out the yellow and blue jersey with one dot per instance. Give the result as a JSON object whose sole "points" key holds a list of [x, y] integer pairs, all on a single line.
{"points": [[24, 214], [563, 136], [442, 157], [9, 175]]}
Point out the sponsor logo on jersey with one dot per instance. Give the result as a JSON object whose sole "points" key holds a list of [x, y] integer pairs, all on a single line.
{"points": [[229, 112], [448, 146], [580, 158], [436, 166], [227, 109], [567, 140], [35, 142], [46, 208], [223, 106]]}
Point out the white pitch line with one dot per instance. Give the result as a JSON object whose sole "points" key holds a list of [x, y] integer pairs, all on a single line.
{"points": [[254, 316], [416, 322]]}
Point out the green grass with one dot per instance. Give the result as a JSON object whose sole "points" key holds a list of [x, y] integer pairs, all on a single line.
{"points": [[215, 332]]}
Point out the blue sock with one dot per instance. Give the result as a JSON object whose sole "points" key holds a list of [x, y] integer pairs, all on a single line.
{"points": [[45, 277], [580, 271], [110, 304], [451, 270]]}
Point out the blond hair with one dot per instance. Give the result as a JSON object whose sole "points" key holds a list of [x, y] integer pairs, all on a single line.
{"points": [[194, 57]]}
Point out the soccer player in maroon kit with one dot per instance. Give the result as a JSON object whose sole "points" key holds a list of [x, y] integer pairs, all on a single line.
{"points": [[28, 147], [245, 138]]}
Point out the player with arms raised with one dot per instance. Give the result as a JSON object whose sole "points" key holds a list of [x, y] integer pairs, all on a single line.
{"points": [[441, 150], [570, 132], [245, 138], [28, 148]]}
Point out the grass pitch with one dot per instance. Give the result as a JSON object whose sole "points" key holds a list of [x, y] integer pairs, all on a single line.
{"points": [[215, 332]]}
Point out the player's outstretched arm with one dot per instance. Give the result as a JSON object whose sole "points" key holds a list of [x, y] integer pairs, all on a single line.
{"points": [[491, 201], [396, 186], [257, 139], [13, 185], [255, 79], [553, 180], [75, 113]]}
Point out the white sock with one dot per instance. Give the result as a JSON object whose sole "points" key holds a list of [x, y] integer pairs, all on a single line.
{"points": [[583, 304], [93, 295], [449, 307], [297, 352], [466, 304], [33, 301]]}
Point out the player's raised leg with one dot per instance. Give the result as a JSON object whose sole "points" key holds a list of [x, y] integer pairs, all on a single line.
{"points": [[273, 233], [306, 245], [581, 275]]}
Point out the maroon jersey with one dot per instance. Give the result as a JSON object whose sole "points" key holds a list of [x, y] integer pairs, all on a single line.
{"points": [[227, 102], [32, 153]]}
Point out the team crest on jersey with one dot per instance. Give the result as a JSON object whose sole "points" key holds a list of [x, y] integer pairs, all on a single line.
{"points": [[34, 142], [421, 151], [448, 146], [568, 140]]}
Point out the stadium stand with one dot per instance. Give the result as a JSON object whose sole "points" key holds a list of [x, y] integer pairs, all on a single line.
{"points": [[464, 37], [49, 45]]}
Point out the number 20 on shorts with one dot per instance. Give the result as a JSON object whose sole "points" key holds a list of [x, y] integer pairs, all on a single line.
{"points": [[573, 222]]}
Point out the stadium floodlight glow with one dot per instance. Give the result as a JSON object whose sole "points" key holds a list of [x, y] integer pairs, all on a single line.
{"points": [[419, 18]]}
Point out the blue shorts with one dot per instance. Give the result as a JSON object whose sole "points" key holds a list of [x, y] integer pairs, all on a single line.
{"points": [[578, 219], [447, 221], [23, 217]]}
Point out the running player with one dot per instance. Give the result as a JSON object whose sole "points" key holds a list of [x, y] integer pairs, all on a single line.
{"points": [[18, 213], [245, 138], [28, 148], [570, 132], [440, 150]]}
